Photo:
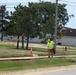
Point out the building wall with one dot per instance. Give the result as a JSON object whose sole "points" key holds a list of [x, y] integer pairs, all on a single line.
{"points": [[36, 39], [68, 40], [14, 38]]}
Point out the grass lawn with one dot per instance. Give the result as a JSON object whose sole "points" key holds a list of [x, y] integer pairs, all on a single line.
{"points": [[11, 51], [34, 64]]}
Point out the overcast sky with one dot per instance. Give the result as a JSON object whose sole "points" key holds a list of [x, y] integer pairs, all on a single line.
{"points": [[71, 7]]}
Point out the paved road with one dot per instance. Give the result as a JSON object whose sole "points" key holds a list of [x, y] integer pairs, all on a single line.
{"points": [[66, 72]]}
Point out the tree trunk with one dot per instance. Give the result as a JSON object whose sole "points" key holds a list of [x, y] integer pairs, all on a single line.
{"points": [[18, 42], [2, 36], [22, 42], [2, 30], [27, 42]]}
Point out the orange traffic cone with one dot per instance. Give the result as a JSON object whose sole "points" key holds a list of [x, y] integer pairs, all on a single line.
{"points": [[31, 51]]}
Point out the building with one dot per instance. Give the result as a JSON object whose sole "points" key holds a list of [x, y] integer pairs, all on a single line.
{"points": [[68, 36]]}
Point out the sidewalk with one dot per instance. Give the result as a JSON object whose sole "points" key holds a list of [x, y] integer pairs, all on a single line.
{"points": [[34, 57], [22, 58]]}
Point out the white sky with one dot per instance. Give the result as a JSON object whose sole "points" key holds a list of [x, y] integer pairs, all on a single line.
{"points": [[71, 8]]}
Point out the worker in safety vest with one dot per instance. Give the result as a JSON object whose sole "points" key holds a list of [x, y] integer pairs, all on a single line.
{"points": [[50, 46]]}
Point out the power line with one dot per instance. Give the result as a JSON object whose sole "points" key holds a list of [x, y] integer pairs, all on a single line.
{"points": [[14, 3], [27, 2], [68, 1], [71, 5]]}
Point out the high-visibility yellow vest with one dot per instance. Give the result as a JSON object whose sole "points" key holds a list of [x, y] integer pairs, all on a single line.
{"points": [[50, 45]]}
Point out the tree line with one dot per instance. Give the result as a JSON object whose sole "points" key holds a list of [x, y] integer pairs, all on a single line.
{"points": [[36, 19]]}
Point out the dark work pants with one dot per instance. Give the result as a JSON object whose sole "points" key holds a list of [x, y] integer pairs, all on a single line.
{"points": [[50, 52]]}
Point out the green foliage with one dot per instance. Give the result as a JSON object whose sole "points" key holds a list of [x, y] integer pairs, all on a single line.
{"points": [[46, 12], [36, 19], [3, 15]]}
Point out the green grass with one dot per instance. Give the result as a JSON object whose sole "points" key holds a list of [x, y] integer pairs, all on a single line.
{"points": [[10, 51], [34, 64]]}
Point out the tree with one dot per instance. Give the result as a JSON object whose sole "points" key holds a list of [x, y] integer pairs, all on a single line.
{"points": [[24, 20], [36, 18], [3, 14], [46, 11], [13, 26]]}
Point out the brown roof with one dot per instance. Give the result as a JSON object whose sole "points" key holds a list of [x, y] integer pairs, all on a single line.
{"points": [[68, 28], [69, 32]]}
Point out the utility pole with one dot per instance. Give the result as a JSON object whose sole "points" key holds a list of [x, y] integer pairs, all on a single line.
{"points": [[56, 24]]}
